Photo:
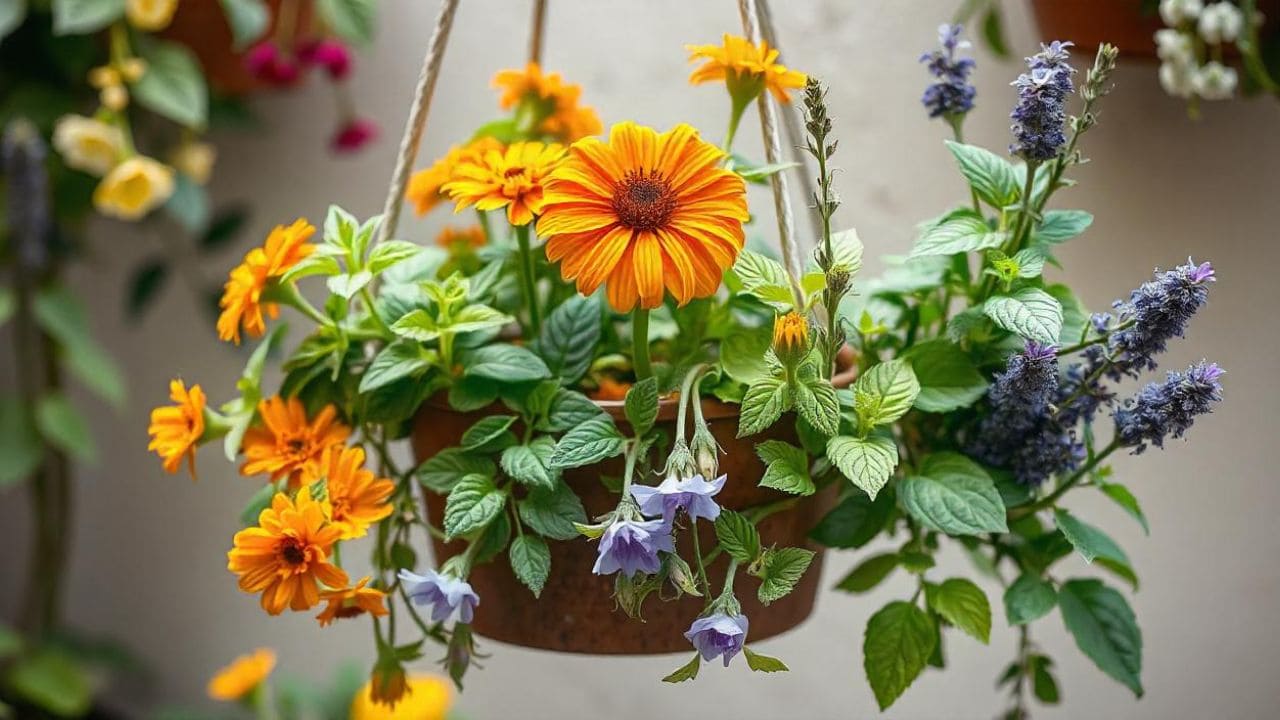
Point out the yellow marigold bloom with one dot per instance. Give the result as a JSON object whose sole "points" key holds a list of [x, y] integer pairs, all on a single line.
{"points": [[286, 556], [176, 429], [195, 160], [512, 178], [429, 698], [150, 15], [357, 498], [242, 676], [87, 144], [643, 212], [424, 189], [287, 444], [552, 100], [790, 337], [470, 237], [744, 67], [352, 602], [241, 301], [134, 188]]}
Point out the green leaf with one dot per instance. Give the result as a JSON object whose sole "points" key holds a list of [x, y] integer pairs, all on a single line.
{"points": [[447, 467], [553, 513], [856, 521], [990, 175], [815, 399], [351, 20], [144, 284], [885, 393], [1029, 598], [963, 231], [760, 173], [742, 353], [869, 573], [471, 505], [737, 536], [568, 410], [248, 20], [1103, 625], [259, 501], [786, 467], [399, 359], [1060, 226], [1043, 684], [223, 229], [488, 433], [1125, 499], [1075, 316], [468, 394], [867, 462], [20, 449], [473, 318], [60, 314], [641, 406], [12, 13], [569, 337], [1093, 544], [531, 464], [531, 562], [1030, 312], [346, 285], [1030, 262], [688, 671], [962, 604], [948, 378], [590, 442], [173, 85], [780, 570], [390, 252], [763, 663], [755, 270], [243, 409], [846, 250], [63, 426], [80, 17], [8, 303], [763, 404], [52, 681], [898, 641], [952, 494], [506, 363], [993, 32]]}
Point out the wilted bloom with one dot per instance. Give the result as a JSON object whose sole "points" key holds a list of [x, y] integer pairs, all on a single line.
{"points": [[718, 635], [176, 429], [693, 495], [427, 697], [388, 684], [1221, 22], [1176, 12], [1167, 409], [790, 338], [242, 676], [88, 144], [632, 546], [328, 53], [953, 94], [134, 188], [352, 602], [1215, 81], [150, 15], [1041, 110], [1157, 311], [353, 135], [445, 594], [195, 160]]}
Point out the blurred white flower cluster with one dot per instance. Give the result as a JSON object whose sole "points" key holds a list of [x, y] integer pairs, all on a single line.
{"points": [[1191, 48]]}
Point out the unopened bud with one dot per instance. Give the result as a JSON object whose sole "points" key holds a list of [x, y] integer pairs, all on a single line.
{"points": [[790, 338], [706, 452]]}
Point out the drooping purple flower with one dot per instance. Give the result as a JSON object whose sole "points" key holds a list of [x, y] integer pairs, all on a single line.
{"points": [[1156, 311], [1039, 116], [632, 546], [718, 635], [693, 495], [445, 594], [953, 94], [1167, 409]]}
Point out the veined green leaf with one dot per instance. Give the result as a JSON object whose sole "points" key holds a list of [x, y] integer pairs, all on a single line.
{"points": [[867, 462], [1030, 312], [962, 604], [898, 642], [1103, 625], [990, 175], [952, 494], [962, 232]]}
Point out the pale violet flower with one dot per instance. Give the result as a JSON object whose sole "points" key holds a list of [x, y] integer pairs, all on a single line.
{"points": [[1177, 79], [1175, 46], [718, 635], [445, 594], [632, 546], [693, 495], [1221, 22], [1215, 81], [1176, 12]]}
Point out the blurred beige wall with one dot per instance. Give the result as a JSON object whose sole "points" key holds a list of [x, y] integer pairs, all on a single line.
{"points": [[149, 561]]}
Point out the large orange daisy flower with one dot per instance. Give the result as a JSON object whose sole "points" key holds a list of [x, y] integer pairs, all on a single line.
{"points": [[352, 602], [286, 556], [424, 187], [241, 301], [357, 498], [287, 443], [643, 212], [555, 101], [242, 676], [512, 179], [738, 61], [176, 429]]}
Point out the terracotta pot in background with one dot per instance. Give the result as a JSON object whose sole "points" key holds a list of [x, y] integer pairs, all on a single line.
{"points": [[576, 612], [202, 26]]}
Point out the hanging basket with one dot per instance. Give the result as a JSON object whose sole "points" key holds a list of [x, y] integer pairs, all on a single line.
{"points": [[1123, 23], [202, 26]]}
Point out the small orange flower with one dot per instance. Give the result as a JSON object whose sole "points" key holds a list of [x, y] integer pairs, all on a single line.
{"points": [[242, 676], [286, 556], [241, 301], [352, 602], [610, 389], [429, 698], [745, 67], [552, 101], [790, 337], [512, 179], [425, 185], [471, 237], [357, 498], [642, 213], [287, 444], [176, 429]]}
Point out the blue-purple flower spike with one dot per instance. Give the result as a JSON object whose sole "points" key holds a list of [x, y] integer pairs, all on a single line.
{"points": [[1040, 114], [953, 94], [1167, 409], [1157, 312], [718, 635], [631, 546]]}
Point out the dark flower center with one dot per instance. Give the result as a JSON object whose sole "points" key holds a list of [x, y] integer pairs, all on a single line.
{"points": [[292, 551], [644, 201], [296, 445], [513, 172]]}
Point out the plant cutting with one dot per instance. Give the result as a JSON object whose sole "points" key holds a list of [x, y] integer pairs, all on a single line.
{"points": [[617, 409]]}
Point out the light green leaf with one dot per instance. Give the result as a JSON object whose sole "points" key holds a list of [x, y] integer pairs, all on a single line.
{"points": [[1103, 625], [590, 442], [98, 371], [763, 663], [569, 337], [815, 400], [313, 264], [952, 494], [248, 20], [867, 462], [897, 644], [786, 467], [346, 285], [780, 570], [1030, 262], [553, 514], [447, 467], [531, 562], [962, 604], [990, 175], [948, 378], [80, 17], [242, 409], [758, 174], [885, 393], [12, 13], [1125, 499], [755, 270], [417, 325], [846, 250], [1029, 598], [173, 85], [473, 318], [189, 204], [471, 505], [65, 428], [742, 353], [738, 537], [869, 573], [1075, 316], [351, 20], [1030, 312], [763, 404], [1093, 544], [856, 521], [399, 359], [391, 252], [506, 363], [489, 434], [641, 405], [52, 681], [1060, 226], [962, 232], [530, 464], [688, 671], [20, 449]]}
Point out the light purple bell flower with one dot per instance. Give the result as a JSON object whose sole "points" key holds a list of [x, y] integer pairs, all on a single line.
{"points": [[445, 594], [632, 546], [692, 494], [718, 635]]}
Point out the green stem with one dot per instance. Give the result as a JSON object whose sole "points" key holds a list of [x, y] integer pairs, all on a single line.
{"points": [[485, 226], [528, 280], [686, 392], [1100, 339], [640, 344], [373, 312], [702, 568], [735, 117]]}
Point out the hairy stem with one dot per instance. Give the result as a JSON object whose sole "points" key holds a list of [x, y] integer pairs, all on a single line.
{"points": [[640, 344]]}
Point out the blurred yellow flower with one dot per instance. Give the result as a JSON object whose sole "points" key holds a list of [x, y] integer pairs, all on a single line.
{"points": [[176, 429], [424, 187], [242, 676], [195, 160], [241, 301], [88, 144], [150, 15], [471, 237], [352, 602], [134, 188], [511, 179], [428, 698], [745, 68]]}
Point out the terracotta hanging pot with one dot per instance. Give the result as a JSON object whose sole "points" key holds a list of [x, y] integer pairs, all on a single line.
{"points": [[577, 612], [202, 26]]}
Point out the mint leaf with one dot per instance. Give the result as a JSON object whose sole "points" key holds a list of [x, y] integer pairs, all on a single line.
{"points": [[688, 671], [990, 175], [471, 505], [1093, 544], [447, 467], [1103, 625], [854, 522], [897, 643], [763, 663], [641, 405], [399, 359], [786, 467], [763, 404], [815, 399], [737, 536], [531, 464], [1030, 312], [952, 494], [867, 462], [505, 363], [1125, 499], [569, 337], [948, 378], [963, 231], [780, 570], [1062, 225], [869, 573], [531, 562], [963, 604], [590, 442], [1029, 598], [552, 513], [568, 410], [884, 393], [489, 434], [173, 85]]}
